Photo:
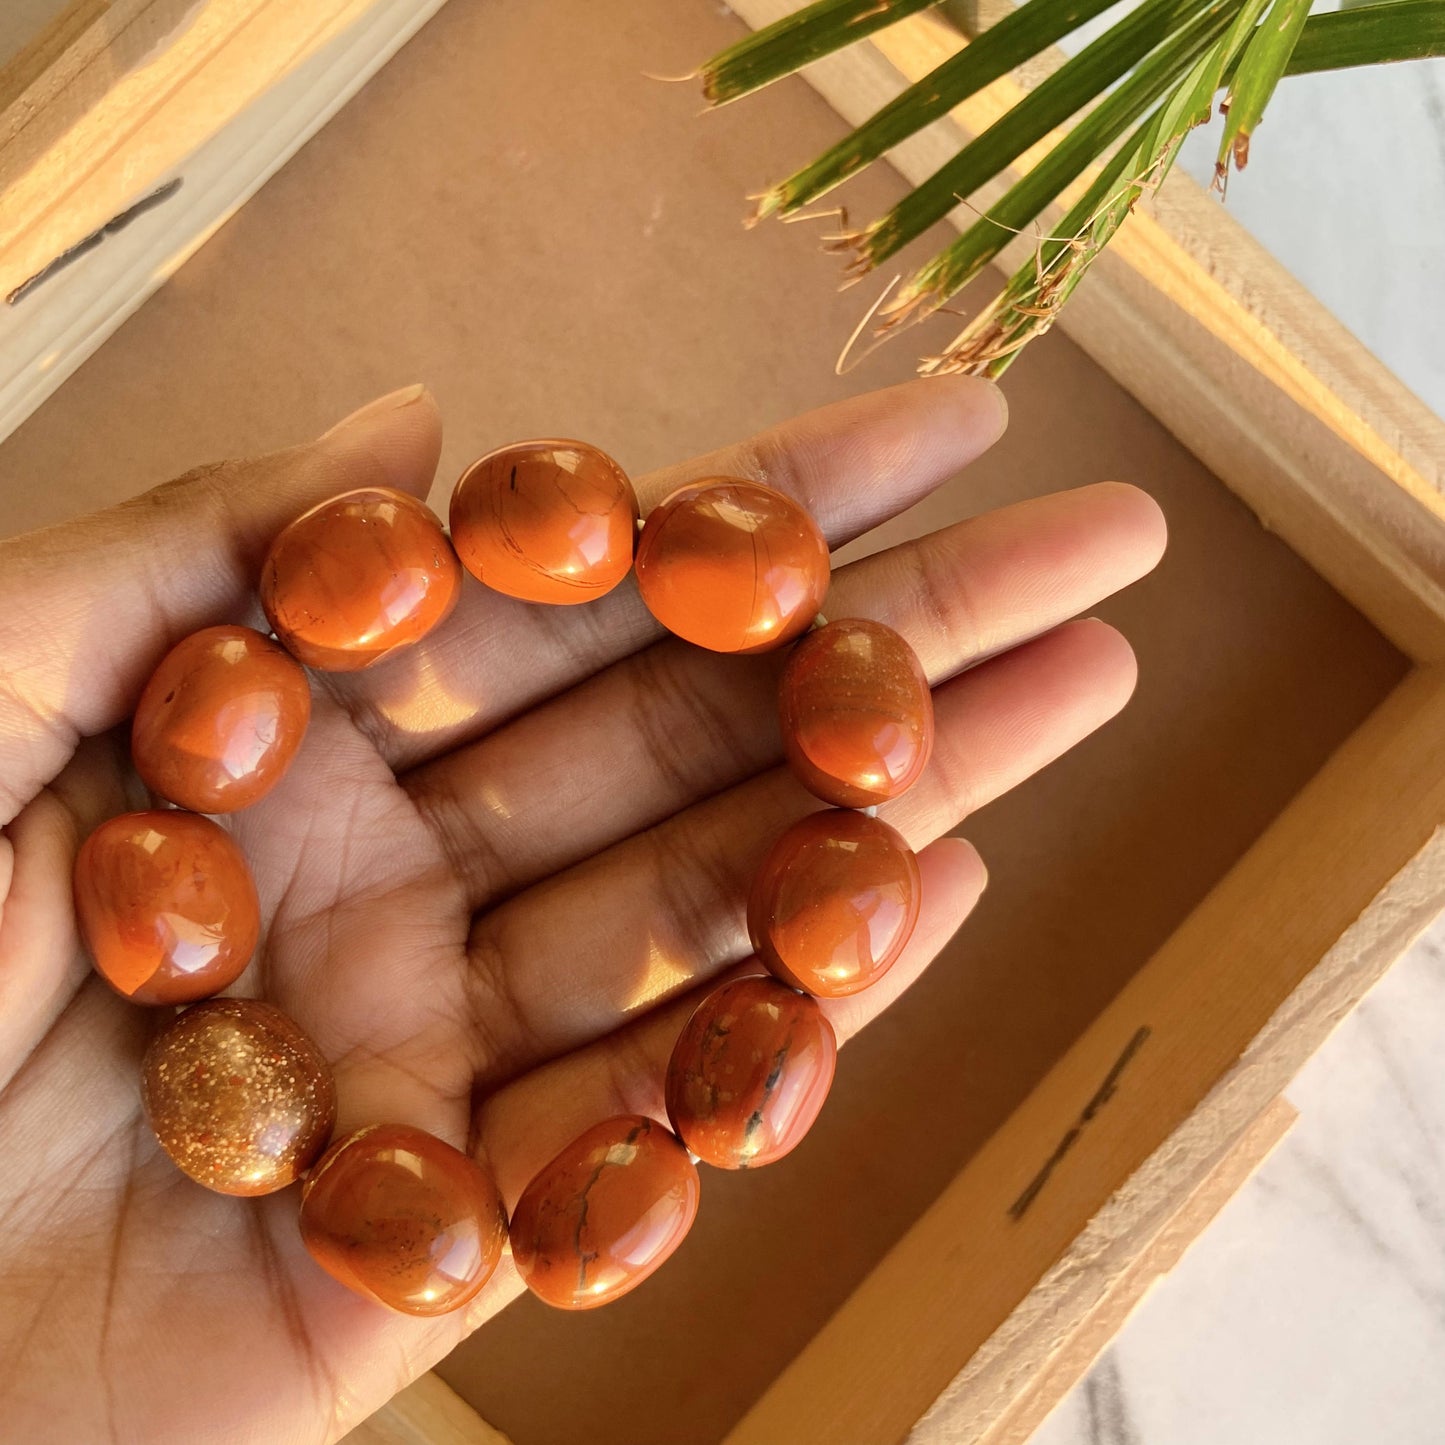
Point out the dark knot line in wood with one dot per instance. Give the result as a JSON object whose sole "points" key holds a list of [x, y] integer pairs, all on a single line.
{"points": [[89, 243], [1101, 1096]]}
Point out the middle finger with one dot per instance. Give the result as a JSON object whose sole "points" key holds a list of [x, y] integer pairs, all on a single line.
{"points": [[852, 465], [673, 724], [572, 957]]}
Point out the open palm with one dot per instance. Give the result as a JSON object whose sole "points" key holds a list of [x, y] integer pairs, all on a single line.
{"points": [[499, 869]]}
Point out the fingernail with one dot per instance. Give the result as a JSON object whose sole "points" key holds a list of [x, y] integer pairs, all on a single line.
{"points": [[1001, 401], [364, 416]]}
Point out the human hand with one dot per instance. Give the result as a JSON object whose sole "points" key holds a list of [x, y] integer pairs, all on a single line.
{"points": [[492, 883]]}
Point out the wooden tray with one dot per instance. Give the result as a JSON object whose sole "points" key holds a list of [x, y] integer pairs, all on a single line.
{"points": [[1179, 911]]}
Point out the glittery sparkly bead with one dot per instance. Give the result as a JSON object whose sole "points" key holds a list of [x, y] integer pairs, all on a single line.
{"points": [[238, 1096]]}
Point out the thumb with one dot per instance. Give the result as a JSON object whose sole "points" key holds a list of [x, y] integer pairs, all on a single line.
{"points": [[87, 608]]}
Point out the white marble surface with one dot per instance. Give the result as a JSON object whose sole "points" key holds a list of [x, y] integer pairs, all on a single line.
{"points": [[1346, 186], [1312, 1312], [1313, 1309]]}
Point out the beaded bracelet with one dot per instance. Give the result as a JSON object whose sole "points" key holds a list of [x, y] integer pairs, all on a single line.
{"points": [[243, 1101]]}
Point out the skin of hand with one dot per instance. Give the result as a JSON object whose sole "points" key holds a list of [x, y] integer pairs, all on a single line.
{"points": [[499, 874]]}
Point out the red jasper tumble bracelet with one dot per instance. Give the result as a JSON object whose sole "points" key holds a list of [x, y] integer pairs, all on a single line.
{"points": [[243, 1101]]}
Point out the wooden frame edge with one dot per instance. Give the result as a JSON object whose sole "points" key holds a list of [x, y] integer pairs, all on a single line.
{"points": [[1018, 1251], [226, 122], [427, 1412], [1157, 1254]]}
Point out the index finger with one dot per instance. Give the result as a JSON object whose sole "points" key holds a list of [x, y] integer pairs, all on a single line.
{"points": [[852, 465], [88, 608]]}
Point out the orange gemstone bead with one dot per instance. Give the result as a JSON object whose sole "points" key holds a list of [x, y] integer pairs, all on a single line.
{"points": [[546, 521], [166, 906], [604, 1214], [732, 565], [834, 903], [856, 713], [749, 1073], [351, 581], [398, 1215], [238, 1096], [220, 720]]}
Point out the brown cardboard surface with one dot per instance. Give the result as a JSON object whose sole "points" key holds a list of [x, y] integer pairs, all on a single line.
{"points": [[513, 213]]}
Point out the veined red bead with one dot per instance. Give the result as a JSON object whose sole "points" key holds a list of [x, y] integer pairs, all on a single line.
{"points": [[546, 521], [604, 1214], [749, 1073], [834, 903], [356, 578], [856, 713], [166, 906], [400, 1216], [732, 565], [220, 720]]}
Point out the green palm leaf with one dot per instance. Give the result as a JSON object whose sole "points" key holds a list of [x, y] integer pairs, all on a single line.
{"points": [[1158, 70]]}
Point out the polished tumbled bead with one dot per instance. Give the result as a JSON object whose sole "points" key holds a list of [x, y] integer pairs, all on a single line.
{"points": [[545, 521], [856, 713], [238, 1095], [220, 720], [402, 1217], [749, 1073], [732, 565], [166, 906], [357, 578], [834, 903], [604, 1214]]}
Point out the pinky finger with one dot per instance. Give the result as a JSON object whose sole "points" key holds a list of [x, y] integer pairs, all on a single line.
{"points": [[522, 1127]]}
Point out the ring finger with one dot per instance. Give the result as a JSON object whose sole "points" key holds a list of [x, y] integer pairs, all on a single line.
{"points": [[563, 961]]}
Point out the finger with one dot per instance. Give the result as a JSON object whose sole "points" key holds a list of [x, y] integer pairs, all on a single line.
{"points": [[519, 1129], [852, 465], [89, 607], [41, 962], [563, 961], [673, 724]]}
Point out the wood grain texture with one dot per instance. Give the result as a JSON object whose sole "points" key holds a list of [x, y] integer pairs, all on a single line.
{"points": [[35, 36], [971, 1303], [212, 61], [1217, 340], [219, 94], [1157, 1255], [427, 1412]]}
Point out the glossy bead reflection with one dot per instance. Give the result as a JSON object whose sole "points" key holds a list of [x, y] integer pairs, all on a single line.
{"points": [[355, 579], [546, 521], [604, 1214], [220, 720], [398, 1215], [749, 1073], [732, 565], [856, 713], [238, 1096], [834, 903], [166, 906]]}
